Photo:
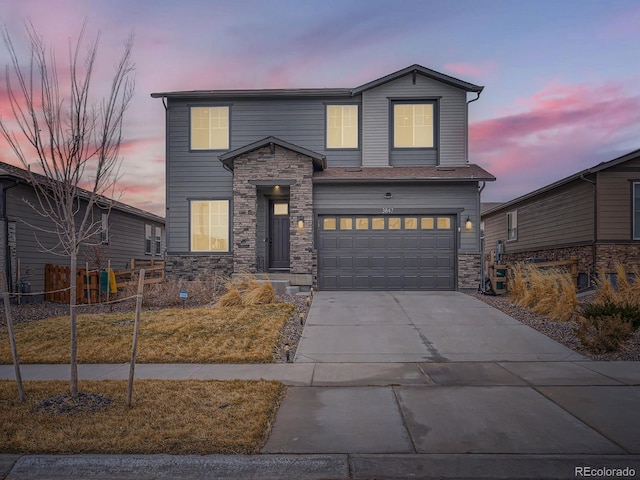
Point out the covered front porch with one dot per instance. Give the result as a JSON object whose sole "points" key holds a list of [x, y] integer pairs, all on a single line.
{"points": [[273, 209]]}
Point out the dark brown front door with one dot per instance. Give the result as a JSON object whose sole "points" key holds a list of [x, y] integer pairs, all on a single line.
{"points": [[278, 234]]}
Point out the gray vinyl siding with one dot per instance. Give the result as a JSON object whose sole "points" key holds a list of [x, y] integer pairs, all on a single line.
{"points": [[451, 126], [200, 174], [561, 217], [126, 239], [429, 198]]}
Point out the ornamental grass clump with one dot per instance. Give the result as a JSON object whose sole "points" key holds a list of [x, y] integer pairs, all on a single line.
{"points": [[550, 292], [247, 290]]}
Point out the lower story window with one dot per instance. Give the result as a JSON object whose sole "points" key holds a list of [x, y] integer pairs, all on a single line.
{"points": [[636, 211], [210, 225]]}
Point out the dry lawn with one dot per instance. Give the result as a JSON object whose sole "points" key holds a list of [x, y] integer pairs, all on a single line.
{"points": [[242, 334], [173, 417]]}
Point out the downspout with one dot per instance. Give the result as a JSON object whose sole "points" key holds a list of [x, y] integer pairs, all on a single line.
{"points": [[481, 235], [7, 247], [466, 147], [595, 224]]}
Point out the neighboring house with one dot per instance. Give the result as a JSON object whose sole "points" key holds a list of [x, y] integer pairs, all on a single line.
{"points": [[126, 233], [341, 188], [593, 215]]}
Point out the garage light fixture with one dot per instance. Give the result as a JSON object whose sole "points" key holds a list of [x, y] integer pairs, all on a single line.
{"points": [[468, 224], [300, 223], [388, 195]]}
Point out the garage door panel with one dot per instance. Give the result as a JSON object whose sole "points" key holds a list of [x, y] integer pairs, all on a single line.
{"points": [[345, 242], [328, 242], [361, 262], [377, 262], [417, 256], [345, 262], [361, 242]]}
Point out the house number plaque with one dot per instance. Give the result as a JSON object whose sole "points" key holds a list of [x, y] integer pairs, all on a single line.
{"points": [[387, 209]]}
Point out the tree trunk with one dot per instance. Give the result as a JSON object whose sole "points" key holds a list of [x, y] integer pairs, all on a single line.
{"points": [[72, 315]]}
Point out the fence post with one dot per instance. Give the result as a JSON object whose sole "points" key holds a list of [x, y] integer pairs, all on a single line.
{"points": [[12, 338], [134, 346]]}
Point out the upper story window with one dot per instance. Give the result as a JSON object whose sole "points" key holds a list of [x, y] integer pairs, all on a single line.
{"points": [[342, 126], [636, 210], [210, 225], [413, 124], [210, 128], [512, 225]]}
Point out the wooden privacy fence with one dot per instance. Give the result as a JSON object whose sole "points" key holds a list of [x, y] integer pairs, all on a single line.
{"points": [[57, 280]]}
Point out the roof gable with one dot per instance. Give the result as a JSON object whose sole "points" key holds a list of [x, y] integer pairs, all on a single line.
{"points": [[419, 69], [319, 161]]}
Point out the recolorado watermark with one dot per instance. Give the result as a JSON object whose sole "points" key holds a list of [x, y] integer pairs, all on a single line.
{"points": [[604, 472]]}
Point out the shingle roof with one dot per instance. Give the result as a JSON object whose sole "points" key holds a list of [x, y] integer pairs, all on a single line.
{"points": [[469, 172], [16, 173], [324, 92]]}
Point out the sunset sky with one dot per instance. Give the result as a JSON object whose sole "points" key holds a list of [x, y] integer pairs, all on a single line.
{"points": [[561, 77]]}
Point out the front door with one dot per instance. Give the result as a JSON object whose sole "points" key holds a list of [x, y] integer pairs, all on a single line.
{"points": [[278, 234]]}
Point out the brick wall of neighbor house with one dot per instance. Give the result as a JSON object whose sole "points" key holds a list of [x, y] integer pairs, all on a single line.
{"points": [[281, 165], [608, 254], [468, 271], [197, 267], [583, 253]]}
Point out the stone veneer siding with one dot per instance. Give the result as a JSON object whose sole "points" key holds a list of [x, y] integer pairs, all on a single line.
{"points": [[197, 267], [584, 254], [282, 165], [608, 254], [468, 271]]}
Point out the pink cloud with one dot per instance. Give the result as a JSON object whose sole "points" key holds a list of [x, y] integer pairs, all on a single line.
{"points": [[558, 131], [478, 70]]}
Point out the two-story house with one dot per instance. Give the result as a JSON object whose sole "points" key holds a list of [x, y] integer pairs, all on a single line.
{"points": [[342, 188]]}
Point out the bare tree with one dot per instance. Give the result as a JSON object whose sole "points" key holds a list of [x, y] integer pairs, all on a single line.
{"points": [[73, 137]]}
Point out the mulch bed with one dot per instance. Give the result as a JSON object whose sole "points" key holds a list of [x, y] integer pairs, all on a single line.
{"points": [[68, 405]]}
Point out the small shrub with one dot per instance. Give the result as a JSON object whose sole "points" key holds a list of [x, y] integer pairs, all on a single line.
{"points": [[603, 333], [627, 312]]}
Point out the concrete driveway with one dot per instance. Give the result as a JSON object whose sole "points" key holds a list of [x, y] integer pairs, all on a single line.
{"points": [[418, 327]]}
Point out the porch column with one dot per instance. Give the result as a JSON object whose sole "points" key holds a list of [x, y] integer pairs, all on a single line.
{"points": [[245, 203]]}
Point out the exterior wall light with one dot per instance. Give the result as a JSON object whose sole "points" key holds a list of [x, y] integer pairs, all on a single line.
{"points": [[388, 195], [300, 223], [468, 224]]}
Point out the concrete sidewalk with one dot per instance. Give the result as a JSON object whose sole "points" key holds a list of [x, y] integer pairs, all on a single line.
{"points": [[401, 385], [489, 419]]}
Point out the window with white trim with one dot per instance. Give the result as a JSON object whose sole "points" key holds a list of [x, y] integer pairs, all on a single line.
{"points": [[210, 128], [104, 228], [147, 239], [413, 125], [636, 210], [512, 225], [210, 225], [158, 240], [342, 126]]}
